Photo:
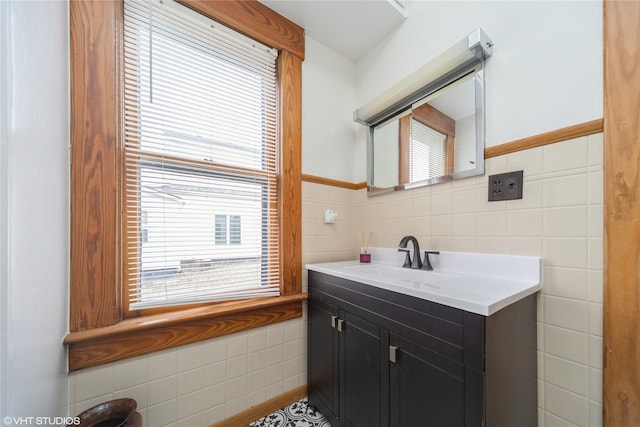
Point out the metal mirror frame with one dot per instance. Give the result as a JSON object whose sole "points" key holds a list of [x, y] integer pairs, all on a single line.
{"points": [[471, 67]]}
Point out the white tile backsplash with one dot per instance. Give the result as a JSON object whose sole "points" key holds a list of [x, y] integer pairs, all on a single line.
{"points": [[492, 224], [547, 419], [162, 364], [94, 382], [532, 196], [236, 367], [566, 156], [161, 390], [559, 218], [199, 383], [189, 381], [566, 282], [162, 414], [188, 357], [566, 343], [441, 203], [257, 380], [595, 319], [275, 355], [566, 374], [596, 188], [465, 202], [595, 143], [237, 387], [214, 395], [138, 393], [565, 190], [529, 161], [565, 221], [257, 360], [567, 405], [524, 222], [214, 373], [189, 407], [566, 313], [129, 373], [569, 252], [215, 350], [275, 336]]}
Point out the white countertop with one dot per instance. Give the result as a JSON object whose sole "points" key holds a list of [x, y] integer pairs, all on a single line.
{"points": [[478, 283]]}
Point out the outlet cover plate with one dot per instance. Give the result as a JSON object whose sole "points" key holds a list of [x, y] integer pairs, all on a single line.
{"points": [[505, 186]]}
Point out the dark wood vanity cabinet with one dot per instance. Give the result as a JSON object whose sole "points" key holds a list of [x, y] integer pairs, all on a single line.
{"points": [[380, 358], [348, 370]]}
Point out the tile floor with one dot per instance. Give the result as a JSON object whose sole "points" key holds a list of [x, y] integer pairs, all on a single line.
{"points": [[298, 414]]}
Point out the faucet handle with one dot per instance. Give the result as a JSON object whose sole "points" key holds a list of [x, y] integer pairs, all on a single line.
{"points": [[407, 258], [426, 265]]}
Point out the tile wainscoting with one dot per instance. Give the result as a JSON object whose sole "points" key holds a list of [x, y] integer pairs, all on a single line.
{"points": [[203, 383], [559, 218]]}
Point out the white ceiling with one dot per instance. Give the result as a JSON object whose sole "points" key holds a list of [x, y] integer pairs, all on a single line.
{"points": [[349, 27]]}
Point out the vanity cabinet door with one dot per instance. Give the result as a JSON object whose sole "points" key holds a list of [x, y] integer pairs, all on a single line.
{"points": [[427, 389], [364, 372], [323, 379]]}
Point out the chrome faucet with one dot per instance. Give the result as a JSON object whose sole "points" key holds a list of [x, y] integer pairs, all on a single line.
{"points": [[402, 247]]}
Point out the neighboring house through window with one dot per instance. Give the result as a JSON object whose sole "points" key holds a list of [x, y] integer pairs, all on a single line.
{"points": [[228, 229]]}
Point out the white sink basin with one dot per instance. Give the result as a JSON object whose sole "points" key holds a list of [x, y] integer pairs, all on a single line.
{"points": [[408, 276], [479, 283]]}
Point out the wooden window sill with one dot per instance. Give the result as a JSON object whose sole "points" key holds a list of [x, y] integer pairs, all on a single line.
{"points": [[142, 335]]}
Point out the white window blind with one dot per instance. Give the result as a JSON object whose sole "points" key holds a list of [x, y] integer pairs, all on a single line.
{"points": [[200, 155], [428, 154]]}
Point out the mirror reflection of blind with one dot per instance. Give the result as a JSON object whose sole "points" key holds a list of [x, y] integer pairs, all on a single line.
{"points": [[427, 156]]}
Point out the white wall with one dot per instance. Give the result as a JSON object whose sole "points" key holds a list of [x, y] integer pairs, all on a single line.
{"points": [[34, 203], [328, 101], [4, 32], [545, 74]]}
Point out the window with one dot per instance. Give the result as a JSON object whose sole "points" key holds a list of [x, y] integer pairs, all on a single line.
{"points": [[221, 229], [228, 230], [200, 137], [235, 230], [121, 181]]}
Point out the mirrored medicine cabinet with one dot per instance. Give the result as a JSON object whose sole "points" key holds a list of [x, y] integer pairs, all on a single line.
{"points": [[433, 134]]}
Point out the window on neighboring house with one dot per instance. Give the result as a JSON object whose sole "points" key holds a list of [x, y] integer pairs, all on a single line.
{"points": [[221, 229], [228, 230], [235, 230], [200, 136]]}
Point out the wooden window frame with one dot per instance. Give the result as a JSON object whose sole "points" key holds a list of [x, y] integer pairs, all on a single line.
{"points": [[99, 332]]}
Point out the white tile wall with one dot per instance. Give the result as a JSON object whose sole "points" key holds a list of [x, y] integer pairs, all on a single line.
{"points": [[202, 383], [559, 218]]}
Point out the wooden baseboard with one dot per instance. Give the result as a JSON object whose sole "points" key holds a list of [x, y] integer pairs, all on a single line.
{"points": [[265, 408]]}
